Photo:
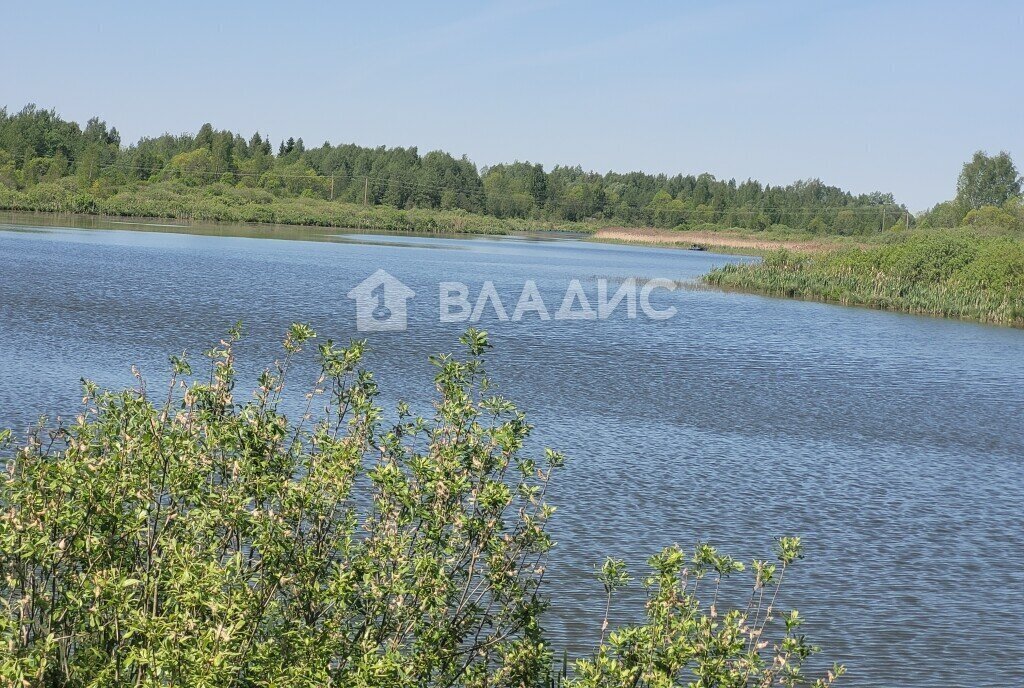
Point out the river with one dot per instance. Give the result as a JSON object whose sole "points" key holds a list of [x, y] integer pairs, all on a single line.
{"points": [[893, 444]]}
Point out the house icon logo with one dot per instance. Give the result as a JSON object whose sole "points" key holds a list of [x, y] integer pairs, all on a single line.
{"points": [[381, 303]]}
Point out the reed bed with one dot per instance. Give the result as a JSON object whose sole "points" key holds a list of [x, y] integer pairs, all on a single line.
{"points": [[953, 274]]}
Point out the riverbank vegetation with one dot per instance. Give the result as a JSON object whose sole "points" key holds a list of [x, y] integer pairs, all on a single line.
{"points": [[185, 537], [950, 273], [50, 164], [222, 202], [974, 272]]}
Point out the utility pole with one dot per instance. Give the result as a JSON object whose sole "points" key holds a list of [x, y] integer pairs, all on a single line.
{"points": [[366, 188], [883, 218]]}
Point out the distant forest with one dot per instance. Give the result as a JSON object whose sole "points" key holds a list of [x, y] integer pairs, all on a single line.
{"points": [[49, 163]]}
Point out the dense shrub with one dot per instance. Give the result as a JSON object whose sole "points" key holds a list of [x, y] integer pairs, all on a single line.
{"points": [[188, 538], [229, 203]]}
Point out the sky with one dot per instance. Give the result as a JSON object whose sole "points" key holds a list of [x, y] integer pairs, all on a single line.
{"points": [[890, 96]]}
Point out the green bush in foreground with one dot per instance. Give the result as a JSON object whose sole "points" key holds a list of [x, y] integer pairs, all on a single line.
{"points": [[957, 274], [197, 540]]}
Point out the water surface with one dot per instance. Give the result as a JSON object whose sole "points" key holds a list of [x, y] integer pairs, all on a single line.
{"points": [[893, 444]]}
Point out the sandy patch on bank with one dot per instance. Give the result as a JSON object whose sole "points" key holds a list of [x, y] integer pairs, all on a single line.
{"points": [[665, 237]]}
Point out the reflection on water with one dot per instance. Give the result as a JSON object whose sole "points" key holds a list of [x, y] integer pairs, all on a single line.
{"points": [[18, 221], [893, 444]]}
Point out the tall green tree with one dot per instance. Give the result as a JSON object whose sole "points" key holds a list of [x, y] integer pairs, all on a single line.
{"points": [[987, 180]]}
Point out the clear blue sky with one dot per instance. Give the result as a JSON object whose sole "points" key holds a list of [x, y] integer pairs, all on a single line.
{"points": [[890, 96]]}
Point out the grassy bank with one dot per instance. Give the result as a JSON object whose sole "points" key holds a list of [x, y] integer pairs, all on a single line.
{"points": [[950, 273], [228, 203]]}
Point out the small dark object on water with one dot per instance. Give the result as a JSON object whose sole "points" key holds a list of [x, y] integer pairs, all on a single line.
{"points": [[698, 247]]}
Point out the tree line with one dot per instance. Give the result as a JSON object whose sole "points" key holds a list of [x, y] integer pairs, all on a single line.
{"points": [[39, 148]]}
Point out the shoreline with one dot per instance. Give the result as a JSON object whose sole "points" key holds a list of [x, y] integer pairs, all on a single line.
{"points": [[170, 221], [727, 242], [753, 280]]}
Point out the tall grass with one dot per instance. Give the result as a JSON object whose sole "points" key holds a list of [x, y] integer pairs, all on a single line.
{"points": [[955, 274]]}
